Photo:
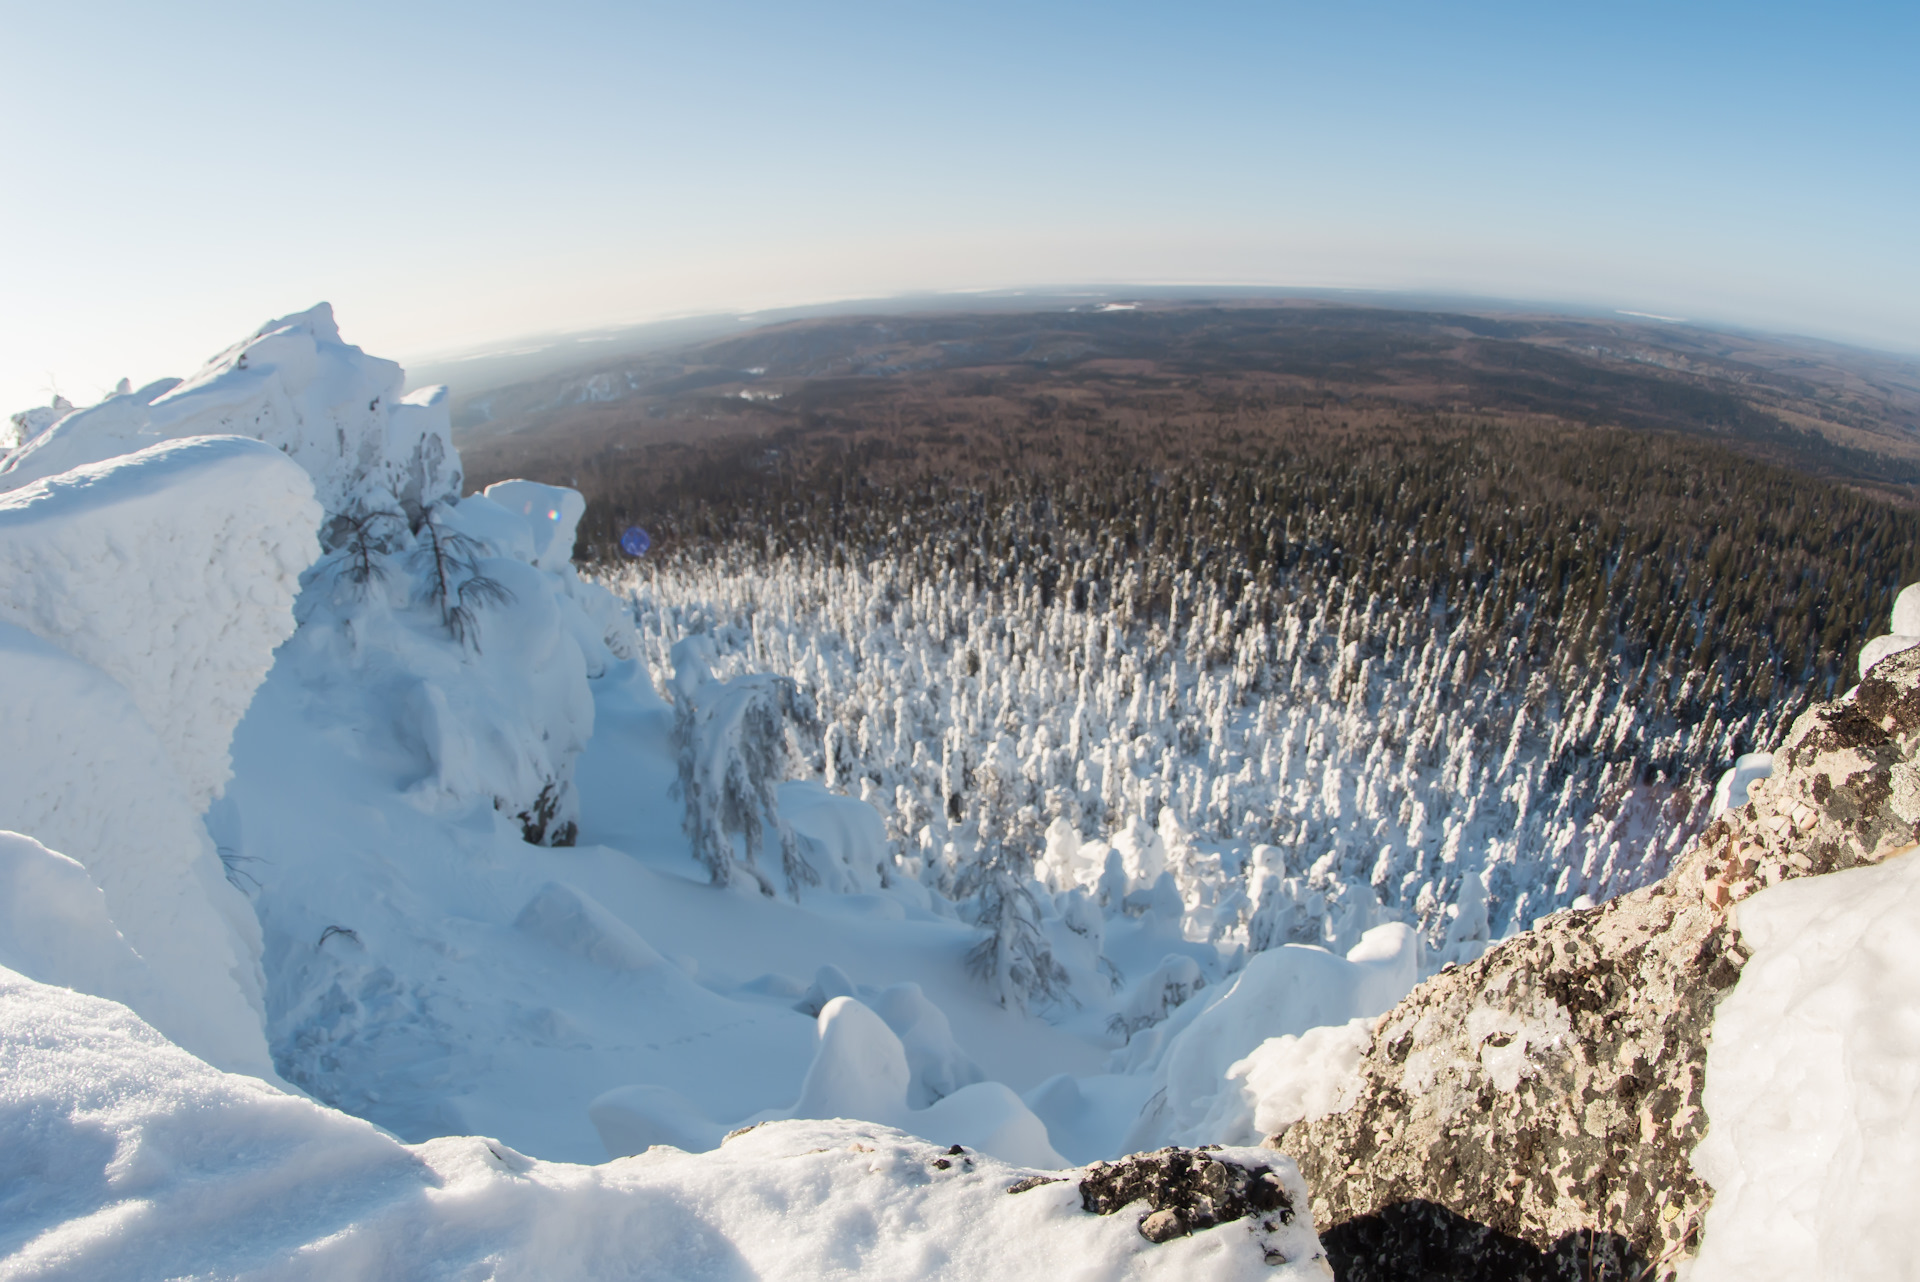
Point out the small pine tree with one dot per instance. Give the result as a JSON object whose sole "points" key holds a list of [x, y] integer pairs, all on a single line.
{"points": [[734, 751], [362, 539], [450, 566], [1014, 959]]}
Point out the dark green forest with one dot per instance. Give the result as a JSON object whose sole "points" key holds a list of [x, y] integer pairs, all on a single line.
{"points": [[1715, 585]]}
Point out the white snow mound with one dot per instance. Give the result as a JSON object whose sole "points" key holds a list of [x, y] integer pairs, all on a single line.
{"points": [[127, 1157], [1195, 1056], [1813, 1084]]}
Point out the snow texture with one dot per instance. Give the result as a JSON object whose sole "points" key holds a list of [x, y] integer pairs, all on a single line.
{"points": [[1730, 793], [334, 410], [1194, 1056], [128, 1158], [144, 592], [173, 571], [1813, 1083]]}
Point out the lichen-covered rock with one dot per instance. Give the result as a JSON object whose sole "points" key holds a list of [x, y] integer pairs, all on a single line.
{"points": [[1179, 1192], [1532, 1114]]}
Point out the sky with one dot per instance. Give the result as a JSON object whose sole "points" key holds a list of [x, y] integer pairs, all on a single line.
{"points": [[453, 175]]}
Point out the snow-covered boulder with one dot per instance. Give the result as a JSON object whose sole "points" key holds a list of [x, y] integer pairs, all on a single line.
{"points": [[861, 1071], [551, 514], [1730, 793], [140, 603], [55, 928], [173, 571], [294, 384], [83, 774]]}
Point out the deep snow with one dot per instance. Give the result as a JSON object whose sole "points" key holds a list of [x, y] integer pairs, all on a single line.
{"points": [[1813, 1084], [126, 1157]]}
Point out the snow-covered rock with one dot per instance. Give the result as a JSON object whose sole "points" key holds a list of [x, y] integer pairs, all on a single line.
{"points": [[84, 775], [1548, 1097], [173, 571], [1730, 792], [294, 384], [140, 603], [551, 514], [860, 1070]]}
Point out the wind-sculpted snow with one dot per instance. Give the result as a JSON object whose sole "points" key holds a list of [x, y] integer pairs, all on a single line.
{"points": [[140, 603], [82, 774], [334, 410], [173, 571], [128, 1158]]}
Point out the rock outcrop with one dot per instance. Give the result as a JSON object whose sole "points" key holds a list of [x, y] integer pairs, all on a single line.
{"points": [[1178, 1192], [1532, 1114]]}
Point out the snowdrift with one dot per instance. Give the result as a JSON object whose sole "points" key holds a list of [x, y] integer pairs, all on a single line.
{"points": [[137, 1160], [1813, 1083]]}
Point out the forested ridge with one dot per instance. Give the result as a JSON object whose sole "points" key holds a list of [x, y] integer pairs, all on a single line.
{"points": [[1453, 671], [1719, 585]]}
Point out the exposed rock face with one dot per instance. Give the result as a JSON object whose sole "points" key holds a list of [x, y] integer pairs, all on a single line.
{"points": [[1532, 1114], [1179, 1191]]}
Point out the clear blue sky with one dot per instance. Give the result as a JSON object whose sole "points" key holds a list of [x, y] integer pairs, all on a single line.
{"points": [[447, 174]]}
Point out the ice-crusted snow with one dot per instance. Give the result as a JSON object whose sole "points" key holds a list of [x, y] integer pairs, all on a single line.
{"points": [[125, 1157], [140, 603], [294, 384], [172, 570], [1813, 1084]]}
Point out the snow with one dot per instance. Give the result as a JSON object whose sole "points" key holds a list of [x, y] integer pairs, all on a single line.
{"points": [[1730, 793], [129, 1158], [552, 515], [506, 853], [1881, 647], [1193, 1056], [1813, 1083], [173, 571], [140, 603], [1288, 1079], [295, 385]]}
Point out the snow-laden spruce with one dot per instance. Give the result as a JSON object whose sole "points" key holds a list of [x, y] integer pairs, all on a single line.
{"points": [[1301, 783]]}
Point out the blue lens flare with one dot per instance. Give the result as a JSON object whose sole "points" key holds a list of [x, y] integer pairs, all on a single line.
{"points": [[635, 541]]}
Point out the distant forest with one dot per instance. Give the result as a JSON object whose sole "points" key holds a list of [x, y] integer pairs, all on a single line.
{"points": [[1713, 583]]}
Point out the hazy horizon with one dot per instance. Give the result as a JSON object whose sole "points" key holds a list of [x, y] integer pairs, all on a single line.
{"points": [[457, 179]]}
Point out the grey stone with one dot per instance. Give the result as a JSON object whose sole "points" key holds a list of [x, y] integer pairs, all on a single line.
{"points": [[1532, 1114]]}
